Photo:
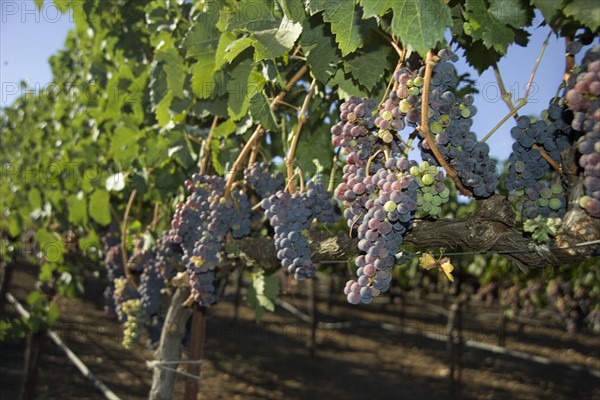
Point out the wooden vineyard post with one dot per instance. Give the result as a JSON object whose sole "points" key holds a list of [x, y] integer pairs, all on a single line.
{"points": [[311, 343], [33, 354], [169, 348], [195, 352]]}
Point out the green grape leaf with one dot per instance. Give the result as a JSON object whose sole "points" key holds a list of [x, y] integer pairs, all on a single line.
{"points": [[294, 10], [345, 19], [35, 198], [548, 8], [77, 209], [226, 39], [585, 11], [163, 110], [174, 69], [180, 149], [203, 80], [493, 25], [99, 207], [236, 47], [260, 110], [275, 42], [202, 39], [420, 25], [224, 129], [368, 65], [39, 4], [51, 245], [123, 145], [314, 144], [262, 293], [252, 16], [346, 86], [322, 53], [244, 82]]}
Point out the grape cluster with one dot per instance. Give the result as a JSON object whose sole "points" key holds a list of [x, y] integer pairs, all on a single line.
{"points": [[150, 285], [532, 188], [572, 305], [200, 225], [123, 292], [259, 178], [449, 119], [583, 98], [168, 257], [113, 265], [388, 216], [290, 214], [432, 192]]}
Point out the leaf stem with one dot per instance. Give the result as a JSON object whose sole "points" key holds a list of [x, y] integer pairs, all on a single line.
{"points": [[513, 111], [537, 64], [289, 161], [204, 160], [429, 63]]}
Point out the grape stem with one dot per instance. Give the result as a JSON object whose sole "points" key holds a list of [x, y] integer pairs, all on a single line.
{"points": [[370, 160], [506, 96], [513, 112], [259, 130], [334, 168], [154, 217], [124, 239], [392, 80], [289, 161], [429, 63], [569, 60], [204, 159]]}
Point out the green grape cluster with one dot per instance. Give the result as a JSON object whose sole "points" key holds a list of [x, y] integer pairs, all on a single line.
{"points": [[432, 192], [545, 195]]}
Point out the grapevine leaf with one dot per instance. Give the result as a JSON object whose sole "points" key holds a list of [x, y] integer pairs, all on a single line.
{"points": [[236, 47], [35, 198], [314, 144], [345, 19], [346, 86], [99, 207], [548, 8], [202, 40], [252, 16], [180, 149], [493, 25], [322, 52], [368, 64], [224, 129], [420, 25], [226, 39], [163, 112], [261, 294], [77, 209], [174, 69], [294, 10], [275, 42], [260, 109], [123, 145], [39, 4], [585, 11], [244, 82], [203, 81]]}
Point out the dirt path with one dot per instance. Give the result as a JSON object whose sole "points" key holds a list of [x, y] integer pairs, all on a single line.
{"points": [[244, 360]]}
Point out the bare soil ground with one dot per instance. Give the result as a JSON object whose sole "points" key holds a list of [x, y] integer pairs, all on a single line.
{"points": [[244, 360]]}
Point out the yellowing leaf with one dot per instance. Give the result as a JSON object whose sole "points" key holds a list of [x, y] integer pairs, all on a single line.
{"points": [[427, 261], [447, 269]]}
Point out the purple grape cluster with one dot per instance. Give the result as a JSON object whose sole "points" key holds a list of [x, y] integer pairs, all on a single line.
{"points": [[583, 98], [449, 119], [259, 178], [388, 216], [200, 226], [290, 214], [113, 265]]}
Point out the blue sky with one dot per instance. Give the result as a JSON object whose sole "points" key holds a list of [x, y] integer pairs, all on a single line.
{"points": [[28, 38]]}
